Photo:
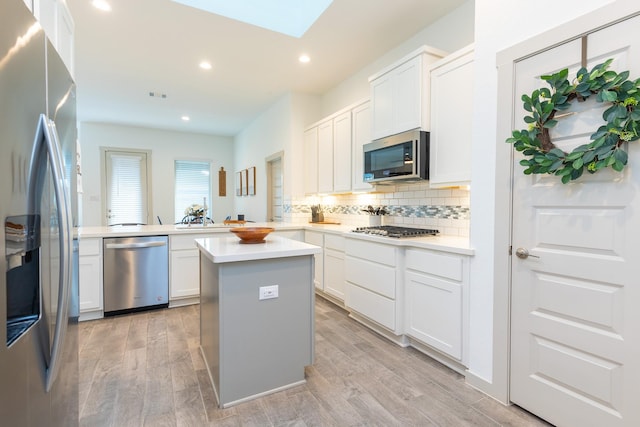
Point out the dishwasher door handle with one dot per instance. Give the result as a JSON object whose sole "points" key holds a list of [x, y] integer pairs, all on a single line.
{"points": [[141, 245]]}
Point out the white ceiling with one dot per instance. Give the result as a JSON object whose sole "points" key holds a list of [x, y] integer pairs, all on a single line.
{"points": [[144, 46]]}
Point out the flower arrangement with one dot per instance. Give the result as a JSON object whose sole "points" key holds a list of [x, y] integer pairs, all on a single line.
{"points": [[195, 210]]}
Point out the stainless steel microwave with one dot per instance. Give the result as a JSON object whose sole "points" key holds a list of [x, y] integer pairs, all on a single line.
{"points": [[401, 157]]}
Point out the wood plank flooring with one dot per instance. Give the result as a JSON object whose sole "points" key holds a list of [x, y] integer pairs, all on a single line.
{"points": [[146, 369]]}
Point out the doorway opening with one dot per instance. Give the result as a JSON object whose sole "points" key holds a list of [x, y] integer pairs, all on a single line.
{"points": [[275, 183]]}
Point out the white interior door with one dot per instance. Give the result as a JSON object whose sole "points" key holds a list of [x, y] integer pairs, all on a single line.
{"points": [[575, 327]]}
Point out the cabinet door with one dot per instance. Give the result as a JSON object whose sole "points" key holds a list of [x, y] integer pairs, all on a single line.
{"points": [[407, 96], [434, 312], [45, 12], [185, 274], [450, 148], [90, 282], [317, 239], [342, 152], [64, 35], [361, 125], [382, 106], [325, 157], [334, 273], [311, 161]]}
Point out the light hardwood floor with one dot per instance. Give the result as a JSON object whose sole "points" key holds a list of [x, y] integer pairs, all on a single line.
{"points": [[145, 369]]}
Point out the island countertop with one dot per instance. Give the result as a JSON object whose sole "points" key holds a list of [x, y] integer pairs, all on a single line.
{"points": [[229, 249]]}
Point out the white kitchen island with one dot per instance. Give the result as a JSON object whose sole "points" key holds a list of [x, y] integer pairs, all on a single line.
{"points": [[256, 315]]}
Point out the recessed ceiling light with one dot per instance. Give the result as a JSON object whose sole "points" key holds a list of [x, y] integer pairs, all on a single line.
{"points": [[185, 118], [304, 59], [205, 65], [101, 5]]}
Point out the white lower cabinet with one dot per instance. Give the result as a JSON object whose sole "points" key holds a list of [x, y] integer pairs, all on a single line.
{"points": [[315, 238], [334, 265], [184, 269], [436, 300], [370, 273], [90, 278]]}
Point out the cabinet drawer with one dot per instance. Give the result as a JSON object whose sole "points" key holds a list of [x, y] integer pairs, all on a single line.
{"points": [[185, 241], [434, 263], [376, 307], [380, 279], [376, 252], [331, 241], [89, 246], [314, 238]]}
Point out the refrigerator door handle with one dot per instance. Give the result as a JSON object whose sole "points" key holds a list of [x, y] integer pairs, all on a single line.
{"points": [[47, 135]]}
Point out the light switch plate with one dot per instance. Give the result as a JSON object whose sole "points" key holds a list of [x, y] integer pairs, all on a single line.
{"points": [[268, 292]]}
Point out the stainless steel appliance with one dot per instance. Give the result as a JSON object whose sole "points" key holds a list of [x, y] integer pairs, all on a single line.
{"points": [[395, 231], [136, 273], [38, 298], [401, 157]]}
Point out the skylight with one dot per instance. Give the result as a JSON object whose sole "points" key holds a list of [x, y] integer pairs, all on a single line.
{"points": [[290, 17]]}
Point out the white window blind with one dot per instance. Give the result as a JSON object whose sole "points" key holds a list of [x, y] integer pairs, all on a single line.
{"points": [[193, 184], [127, 188]]}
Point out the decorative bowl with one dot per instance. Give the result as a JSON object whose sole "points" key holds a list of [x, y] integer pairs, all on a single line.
{"points": [[251, 234]]}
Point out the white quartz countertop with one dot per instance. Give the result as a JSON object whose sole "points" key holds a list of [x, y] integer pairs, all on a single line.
{"points": [[171, 229], [453, 244], [229, 249]]}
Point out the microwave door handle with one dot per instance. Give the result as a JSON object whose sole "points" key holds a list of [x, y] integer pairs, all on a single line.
{"points": [[46, 145]]}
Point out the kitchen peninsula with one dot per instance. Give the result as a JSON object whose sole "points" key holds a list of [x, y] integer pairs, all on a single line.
{"points": [[256, 315]]}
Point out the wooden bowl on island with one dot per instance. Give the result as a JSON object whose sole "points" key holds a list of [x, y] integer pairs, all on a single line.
{"points": [[251, 234]]}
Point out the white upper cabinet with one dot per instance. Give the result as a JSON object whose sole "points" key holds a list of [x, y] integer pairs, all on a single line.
{"points": [[311, 161], [342, 152], [333, 151], [64, 39], [400, 94], [451, 115], [361, 127], [56, 20], [325, 157]]}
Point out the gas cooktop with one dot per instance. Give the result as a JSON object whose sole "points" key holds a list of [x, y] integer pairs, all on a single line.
{"points": [[395, 231]]}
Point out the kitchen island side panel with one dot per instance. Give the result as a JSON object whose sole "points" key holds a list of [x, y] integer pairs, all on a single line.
{"points": [[264, 344], [254, 347]]}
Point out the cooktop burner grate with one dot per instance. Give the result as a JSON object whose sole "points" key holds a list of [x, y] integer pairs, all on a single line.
{"points": [[395, 231]]}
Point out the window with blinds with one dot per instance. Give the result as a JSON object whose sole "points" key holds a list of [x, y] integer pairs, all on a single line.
{"points": [[127, 197], [193, 184]]}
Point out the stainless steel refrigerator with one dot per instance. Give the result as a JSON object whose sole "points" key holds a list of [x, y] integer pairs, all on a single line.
{"points": [[38, 296]]}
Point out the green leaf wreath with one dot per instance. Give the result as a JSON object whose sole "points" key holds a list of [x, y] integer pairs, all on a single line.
{"points": [[622, 123]]}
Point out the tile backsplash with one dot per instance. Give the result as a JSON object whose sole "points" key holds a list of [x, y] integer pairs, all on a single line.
{"points": [[407, 204]]}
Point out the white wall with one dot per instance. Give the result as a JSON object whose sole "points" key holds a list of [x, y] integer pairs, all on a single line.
{"points": [[439, 35], [498, 25], [279, 128], [166, 147]]}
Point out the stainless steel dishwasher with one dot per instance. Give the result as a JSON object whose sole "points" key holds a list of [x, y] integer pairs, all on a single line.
{"points": [[136, 273]]}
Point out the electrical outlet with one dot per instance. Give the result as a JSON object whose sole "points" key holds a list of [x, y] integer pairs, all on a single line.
{"points": [[268, 292]]}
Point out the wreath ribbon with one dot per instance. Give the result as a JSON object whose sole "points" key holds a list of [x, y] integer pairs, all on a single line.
{"points": [[545, 105]]}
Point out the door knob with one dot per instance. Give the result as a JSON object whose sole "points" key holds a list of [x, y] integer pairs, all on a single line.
{"points": [[523, 253]]}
